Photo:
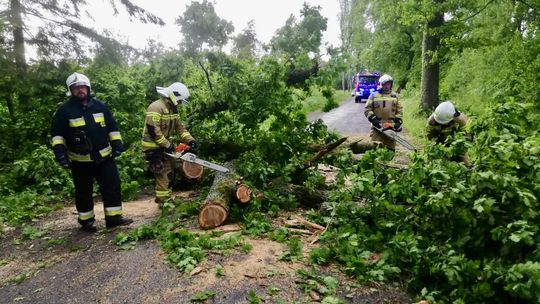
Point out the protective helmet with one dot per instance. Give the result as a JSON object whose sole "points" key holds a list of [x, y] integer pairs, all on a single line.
{"points": [[77, 79], [385, 78], [175, 92], [444, 113]]}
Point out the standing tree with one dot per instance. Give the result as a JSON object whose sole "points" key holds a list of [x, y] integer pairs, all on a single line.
{"points": [[201, 27], [246, 43]]}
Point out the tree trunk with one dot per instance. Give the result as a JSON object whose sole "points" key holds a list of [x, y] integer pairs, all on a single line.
{"points": [[18, 36], [430, 62], [191, 171], [225, 188]]}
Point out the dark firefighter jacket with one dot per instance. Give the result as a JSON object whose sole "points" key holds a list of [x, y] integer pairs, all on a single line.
{"points": [[85, 133]]}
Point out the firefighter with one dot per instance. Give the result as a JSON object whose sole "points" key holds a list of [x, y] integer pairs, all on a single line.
{"points": [[445, 121], [86, 139], [161, 122], [383, 110]]}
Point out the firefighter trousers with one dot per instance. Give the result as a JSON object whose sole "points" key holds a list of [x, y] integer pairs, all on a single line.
{"points": [[108, 179], [163, 179]]}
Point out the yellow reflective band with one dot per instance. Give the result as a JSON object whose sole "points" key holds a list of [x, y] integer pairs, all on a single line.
{"points": [[185, 135], [153, 114], [149, 144], [115, 135], [99, 117], [79, 157], [77, 122], [165, 193], [111, 211], [106, 151], [161, 140], [58, 140], [83, 216]]}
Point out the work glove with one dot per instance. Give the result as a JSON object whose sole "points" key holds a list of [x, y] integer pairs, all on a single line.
{"points": [[397, 124], [63, 161], [170, 149], [194, 145], [117, 148], [375, 121]]}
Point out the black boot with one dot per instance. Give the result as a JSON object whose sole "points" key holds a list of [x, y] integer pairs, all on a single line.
{"points": [[88, 225], [117, 220]]}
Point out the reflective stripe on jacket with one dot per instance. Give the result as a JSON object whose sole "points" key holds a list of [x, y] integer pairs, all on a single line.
{"points": [[82, 132], [162, 120]]}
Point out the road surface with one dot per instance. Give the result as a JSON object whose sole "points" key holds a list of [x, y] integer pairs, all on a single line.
{"points": [[348, 119]]}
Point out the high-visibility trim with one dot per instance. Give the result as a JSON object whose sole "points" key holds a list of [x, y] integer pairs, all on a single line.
{"points": [[112, 211], [99, 117], [149, 144], [115, 135], [154, 115], [86, 157], [105, 151], [163, 193], [77, 122], [58, 140], [83, 216], [161, 140], [79, 157], [185, 135]]}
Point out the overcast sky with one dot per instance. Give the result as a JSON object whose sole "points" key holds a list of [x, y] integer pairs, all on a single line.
{"points": [[269, 15]]}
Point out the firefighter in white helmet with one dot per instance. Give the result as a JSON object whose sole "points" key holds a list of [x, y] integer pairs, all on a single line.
{"points": [[446, 120], [161, 122], [384, 110], [86, 139]]}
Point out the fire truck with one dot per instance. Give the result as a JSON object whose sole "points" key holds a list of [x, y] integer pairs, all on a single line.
{"points": [[364, 84]]}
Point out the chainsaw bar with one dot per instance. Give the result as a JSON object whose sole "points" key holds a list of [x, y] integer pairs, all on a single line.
{"points": [[192, 158], [393, 135]]}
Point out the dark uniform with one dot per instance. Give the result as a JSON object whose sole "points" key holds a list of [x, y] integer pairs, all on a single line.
{"points": [[87, 134]]}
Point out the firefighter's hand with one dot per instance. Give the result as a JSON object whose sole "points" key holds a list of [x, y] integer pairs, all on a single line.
{"points": [[375, 121], [397, 124], [193, 145], [117, 148], [63, 161], [170, 149]]}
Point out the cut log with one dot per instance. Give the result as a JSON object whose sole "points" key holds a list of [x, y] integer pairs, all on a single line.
{"points": [[191, 170], [242, 193], [225, 188]]}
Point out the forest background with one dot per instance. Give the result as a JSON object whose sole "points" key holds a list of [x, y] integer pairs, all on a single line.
{"points": [[429, 221]]}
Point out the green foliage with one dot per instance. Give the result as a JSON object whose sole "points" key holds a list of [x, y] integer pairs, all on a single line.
{"points": [[201, 25], [203, 296], [294, 251], [427, 223]]}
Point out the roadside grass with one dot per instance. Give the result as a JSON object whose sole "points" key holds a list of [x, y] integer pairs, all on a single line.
{"points": [[414, 122], [316, 101]]}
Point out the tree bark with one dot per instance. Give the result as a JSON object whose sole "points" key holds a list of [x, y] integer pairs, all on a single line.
{"points": [[18, 36], [225, 188], [430, 62]]}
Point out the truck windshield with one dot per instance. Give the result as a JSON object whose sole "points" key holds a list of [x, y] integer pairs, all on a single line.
{"points": [[367, 79]]}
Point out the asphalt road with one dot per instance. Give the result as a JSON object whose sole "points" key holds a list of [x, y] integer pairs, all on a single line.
{"points": [[348, 119]]}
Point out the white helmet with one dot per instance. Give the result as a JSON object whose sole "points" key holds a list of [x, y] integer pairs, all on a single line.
{"points": [[175, 92], [444, 113], [76, 79], [384, 79]]}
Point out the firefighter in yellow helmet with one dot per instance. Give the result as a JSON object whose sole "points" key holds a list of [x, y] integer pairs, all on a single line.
{"points": [[384, 110], [161, 122], [86, 139]]}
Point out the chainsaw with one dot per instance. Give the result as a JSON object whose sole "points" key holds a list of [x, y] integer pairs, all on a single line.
{"points": [[388, 132], [183, 154]]}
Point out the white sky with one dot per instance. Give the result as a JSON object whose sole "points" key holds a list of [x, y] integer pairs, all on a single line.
{"points": [[269, 15]]}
